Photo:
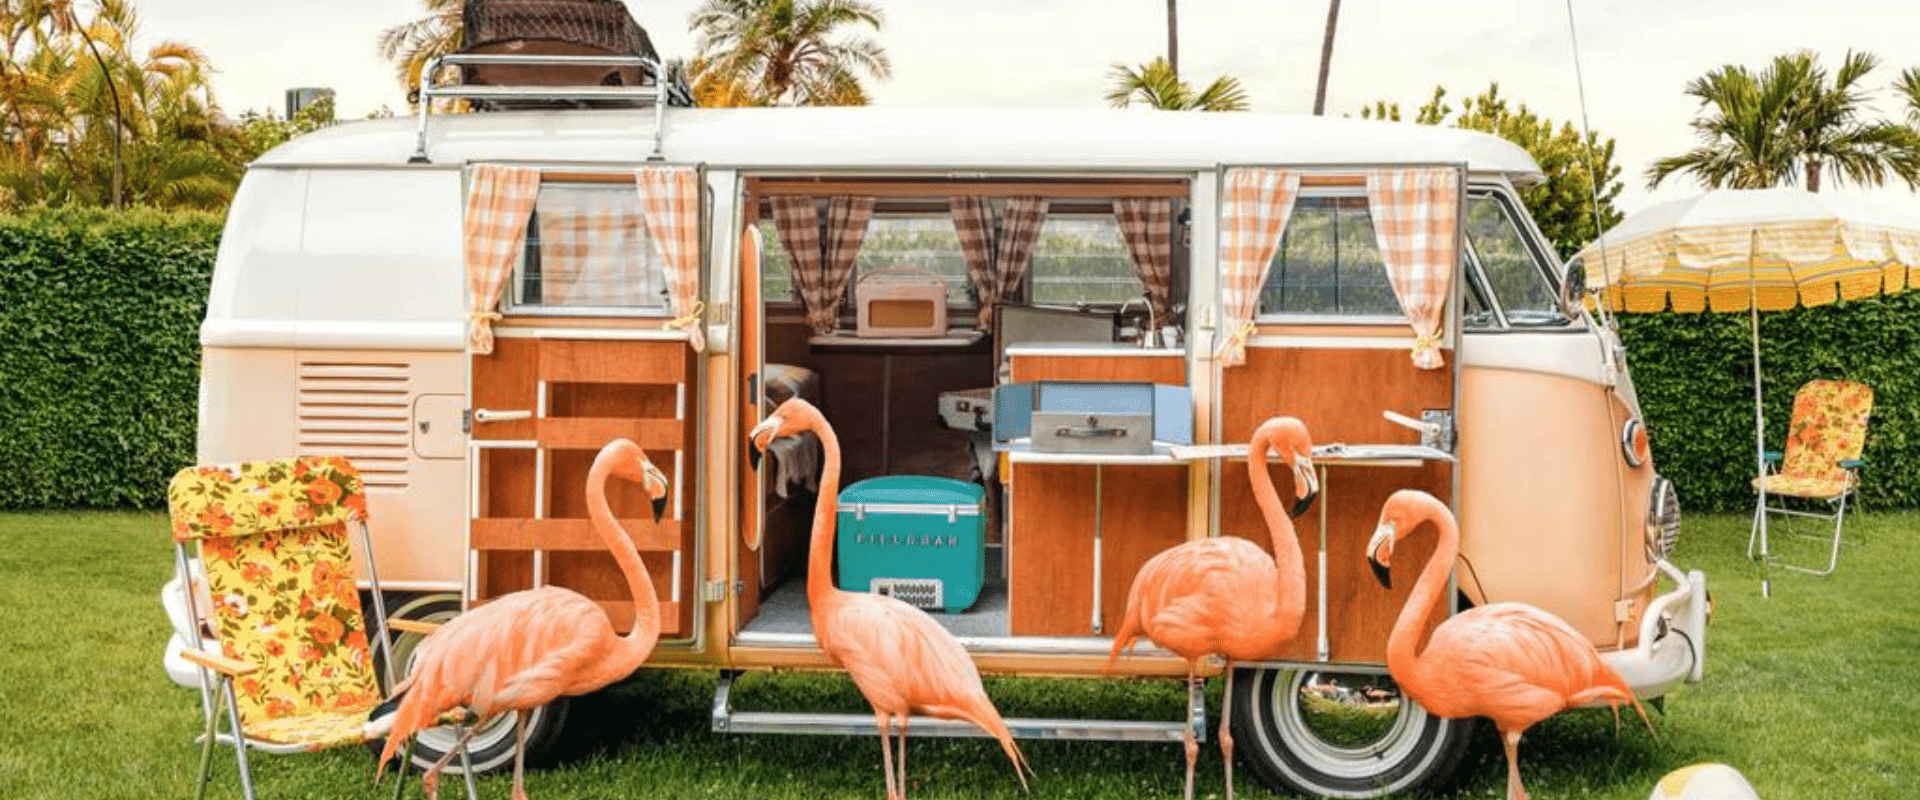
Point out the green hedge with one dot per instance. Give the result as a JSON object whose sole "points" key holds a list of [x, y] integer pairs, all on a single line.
{"points": [[99, 354], [1694, 375]]}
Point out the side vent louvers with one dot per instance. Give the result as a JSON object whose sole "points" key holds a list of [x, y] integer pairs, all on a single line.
{"points": [[361, 411]]}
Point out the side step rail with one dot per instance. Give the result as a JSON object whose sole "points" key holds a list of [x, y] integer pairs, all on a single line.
{"points": [[727, 720]]}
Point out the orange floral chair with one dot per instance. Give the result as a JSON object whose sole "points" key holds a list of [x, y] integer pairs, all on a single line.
{"points": [[294, 670], [1822, 460]]}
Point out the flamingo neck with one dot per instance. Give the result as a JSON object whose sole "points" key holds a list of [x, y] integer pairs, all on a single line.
{"points": [[639, 641], [1425, 597], [1286, 543], [825, 519]]}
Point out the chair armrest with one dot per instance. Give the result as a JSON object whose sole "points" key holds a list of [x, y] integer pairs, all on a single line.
{"points": [[413, 626], [1852, 463], [229, 667]]}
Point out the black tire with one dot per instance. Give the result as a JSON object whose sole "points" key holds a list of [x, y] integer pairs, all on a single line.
{"points": [[491, 748], [1360, 738]]}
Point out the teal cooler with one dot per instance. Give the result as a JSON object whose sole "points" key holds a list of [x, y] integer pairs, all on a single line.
{"points": [[920, 539]]}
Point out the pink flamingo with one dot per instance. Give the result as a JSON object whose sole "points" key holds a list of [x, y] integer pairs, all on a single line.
{"points": [[1511, 662], [1224, 594], [900, 659], [523, 650]]}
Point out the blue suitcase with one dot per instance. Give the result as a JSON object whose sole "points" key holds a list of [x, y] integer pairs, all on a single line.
{"points": [[920, 539]]}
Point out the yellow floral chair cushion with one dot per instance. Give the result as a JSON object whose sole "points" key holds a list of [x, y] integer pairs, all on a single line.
{"points": [[273, 541], [1829, 426]]}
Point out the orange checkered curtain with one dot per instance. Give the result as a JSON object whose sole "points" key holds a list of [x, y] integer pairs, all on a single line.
{"points": [[822, 264], [1416, 218], [997, 253], [592, 251], [1147, 226], [499, 201], [670, 197], [1254, 205]]}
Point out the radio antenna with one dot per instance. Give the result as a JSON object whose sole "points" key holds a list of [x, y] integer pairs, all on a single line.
{"points": [[1593, 174]]}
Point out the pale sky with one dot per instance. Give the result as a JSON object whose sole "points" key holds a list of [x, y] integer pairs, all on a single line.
{"points": [[1637, 54]]}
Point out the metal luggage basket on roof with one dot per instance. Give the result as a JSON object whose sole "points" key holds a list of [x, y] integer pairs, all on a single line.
{"points": [[659, 94]]}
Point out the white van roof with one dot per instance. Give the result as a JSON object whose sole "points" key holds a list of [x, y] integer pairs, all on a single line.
{"points": [[911, 139]]}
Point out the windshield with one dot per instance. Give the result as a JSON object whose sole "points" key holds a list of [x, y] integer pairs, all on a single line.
{"points": [[1515, 272]]}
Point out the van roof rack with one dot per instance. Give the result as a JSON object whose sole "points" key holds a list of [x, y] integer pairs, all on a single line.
{"points": [[657, 93]]}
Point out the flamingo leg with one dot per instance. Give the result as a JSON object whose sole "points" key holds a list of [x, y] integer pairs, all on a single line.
{"points": [[1226, 735], [520, 757], [1192, 746], [1515, 789], [430, 782], [886, 751], [903, 757]]}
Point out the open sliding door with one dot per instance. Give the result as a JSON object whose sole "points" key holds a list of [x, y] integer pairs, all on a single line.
{"points": [[1328, 341]]}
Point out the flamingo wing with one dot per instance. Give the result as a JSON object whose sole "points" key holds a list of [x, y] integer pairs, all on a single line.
{"points": [[1196, 597], [1514, 663], [899, 657]]}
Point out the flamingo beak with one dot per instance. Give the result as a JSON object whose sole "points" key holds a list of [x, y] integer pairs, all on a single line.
{"points": [[666, 488], [1304, 476], [1381, 544], [767, 428], [659, 508]]}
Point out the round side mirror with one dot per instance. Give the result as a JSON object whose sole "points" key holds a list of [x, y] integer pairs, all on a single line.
{"points": [[1573, 289]]}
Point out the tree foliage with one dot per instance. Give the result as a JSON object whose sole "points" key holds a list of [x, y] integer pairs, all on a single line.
{"points": [[1566, 203], [90, 120], [1156, 85], [1790, 120], [411, 44], [785, 52]]}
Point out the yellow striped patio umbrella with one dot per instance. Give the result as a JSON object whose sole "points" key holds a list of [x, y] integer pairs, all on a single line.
{"points": [[1753, 250]]}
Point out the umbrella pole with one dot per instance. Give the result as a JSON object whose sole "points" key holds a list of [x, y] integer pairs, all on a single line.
{"points": [[1760, 451]]}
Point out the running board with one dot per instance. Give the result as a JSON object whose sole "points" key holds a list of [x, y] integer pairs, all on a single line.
{"points": [[727, 720]]}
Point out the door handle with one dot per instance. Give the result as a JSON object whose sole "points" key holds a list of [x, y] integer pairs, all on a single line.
{"points": [[491, 415]]}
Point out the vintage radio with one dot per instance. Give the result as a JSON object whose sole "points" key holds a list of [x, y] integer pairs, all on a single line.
{"points": [[900, 302]]}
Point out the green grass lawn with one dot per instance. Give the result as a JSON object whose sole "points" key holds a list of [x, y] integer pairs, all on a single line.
{"points": [[1812, 694]]}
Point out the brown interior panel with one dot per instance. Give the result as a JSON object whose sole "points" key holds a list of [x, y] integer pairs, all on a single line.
{"points": [[1143, 511], [1339, 393], [596, 390]]}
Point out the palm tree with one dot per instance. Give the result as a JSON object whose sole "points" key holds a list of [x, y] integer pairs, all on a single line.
{"points": [[1791, 121], [1326, 58], [787, 52], [410, 45], [1907, 86], [1154, 84], [1173, 37]]}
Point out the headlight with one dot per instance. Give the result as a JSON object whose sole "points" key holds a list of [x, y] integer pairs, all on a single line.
{"points": [[1633, 442], [1663, 518]]}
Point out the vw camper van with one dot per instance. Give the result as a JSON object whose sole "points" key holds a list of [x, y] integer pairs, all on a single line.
{"points": [[469, 305]]}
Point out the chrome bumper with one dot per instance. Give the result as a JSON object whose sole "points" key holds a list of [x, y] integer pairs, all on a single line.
{"points": [[1673, 637]]}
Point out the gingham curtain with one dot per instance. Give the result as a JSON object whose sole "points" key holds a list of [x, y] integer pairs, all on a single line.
{"points": [[997, 256], [1254, 205], [1147, 226], [822, 265], [670, 197], [1416, 217], [499, 200], [592, 249]]}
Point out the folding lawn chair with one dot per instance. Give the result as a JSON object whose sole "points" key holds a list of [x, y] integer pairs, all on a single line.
{"points": [[295, 670], [1822, 460]]}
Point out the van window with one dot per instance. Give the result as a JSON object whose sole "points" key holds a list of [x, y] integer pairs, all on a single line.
{"points": [[918, 242], [1515, 272], [1081, 258], [1328, 262], [588, 250]]}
